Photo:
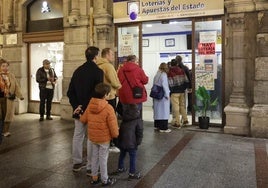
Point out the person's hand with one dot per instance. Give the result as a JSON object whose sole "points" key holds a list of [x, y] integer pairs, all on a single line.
{"points": [[78, 110]]}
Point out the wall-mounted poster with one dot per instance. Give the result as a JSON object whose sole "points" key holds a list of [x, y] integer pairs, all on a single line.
{"points": [[206, 71], [206, 48], [205, 79], [126, 45], [208, 63], [207, 36]]}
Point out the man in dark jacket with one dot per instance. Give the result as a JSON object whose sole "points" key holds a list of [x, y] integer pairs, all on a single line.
{"points": [[80, 91], [178, 82], [46, 78]]}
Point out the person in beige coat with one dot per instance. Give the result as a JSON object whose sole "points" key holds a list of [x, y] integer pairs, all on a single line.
{"points": [[110, 78], [12, 92], [110, 75]]}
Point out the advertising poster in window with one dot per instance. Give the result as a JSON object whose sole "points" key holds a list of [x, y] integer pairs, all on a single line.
{"points": [[126, 45], [206, 70]]}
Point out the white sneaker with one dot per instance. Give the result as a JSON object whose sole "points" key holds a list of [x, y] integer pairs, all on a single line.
{"points": [[114, 149], [165, 131], [6, 134]]}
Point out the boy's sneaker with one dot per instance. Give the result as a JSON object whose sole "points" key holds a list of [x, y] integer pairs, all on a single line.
{"points": [[78, 167], [165, 131], [119, 171], [6, 134], [134, 176], [109, 181], [114, 149], [95, 182], [88, 172]]}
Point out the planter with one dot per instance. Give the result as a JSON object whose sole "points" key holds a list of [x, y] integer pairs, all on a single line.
{"points": [[203, 122]]}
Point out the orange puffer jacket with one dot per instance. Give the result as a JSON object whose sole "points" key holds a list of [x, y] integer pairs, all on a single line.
{"points": [[101, 120]]}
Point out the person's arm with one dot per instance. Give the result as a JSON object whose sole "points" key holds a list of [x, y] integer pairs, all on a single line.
{"points": [[71, 93], [165, 85], [144, 77], [112, 122], [18, 90], [139, 131], [55, 75], [40, 78], [112, 78]]}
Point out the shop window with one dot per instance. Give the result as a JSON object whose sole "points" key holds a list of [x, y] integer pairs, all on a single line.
{"points": [[44, 15], [52, 51]]}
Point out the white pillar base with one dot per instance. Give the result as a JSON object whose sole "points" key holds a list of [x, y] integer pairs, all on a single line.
{"points": [[237, 120]]}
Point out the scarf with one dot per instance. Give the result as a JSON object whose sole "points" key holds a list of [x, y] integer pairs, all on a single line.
{"points": [[4, 83]]}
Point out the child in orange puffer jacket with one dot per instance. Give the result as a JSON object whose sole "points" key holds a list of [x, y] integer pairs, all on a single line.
{"points": [[102, 127]]}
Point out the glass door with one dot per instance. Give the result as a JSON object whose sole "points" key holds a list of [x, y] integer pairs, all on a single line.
{"points": [[208, 65], [53, 51], [128, 43]]}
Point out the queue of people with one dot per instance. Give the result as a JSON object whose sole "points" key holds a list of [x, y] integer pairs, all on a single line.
{"points": [[92, 94]]}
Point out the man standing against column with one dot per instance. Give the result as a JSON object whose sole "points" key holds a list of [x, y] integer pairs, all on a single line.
{"points": [[80, 91]]}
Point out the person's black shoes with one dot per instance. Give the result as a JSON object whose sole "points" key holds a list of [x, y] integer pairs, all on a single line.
{"points": [[49, 118], [95, 182], [78, 167], [119, 171], [135, 176], [109, 181], [41, 119]]}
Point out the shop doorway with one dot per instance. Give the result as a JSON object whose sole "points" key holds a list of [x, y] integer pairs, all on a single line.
{"points": [[161, 41]]}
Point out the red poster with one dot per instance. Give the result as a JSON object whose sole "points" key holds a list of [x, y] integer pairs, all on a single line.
{"points": [[206, 48]]}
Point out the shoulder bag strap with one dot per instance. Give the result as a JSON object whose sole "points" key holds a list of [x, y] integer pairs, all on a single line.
{"points": [[127, 79], [159, 78]]}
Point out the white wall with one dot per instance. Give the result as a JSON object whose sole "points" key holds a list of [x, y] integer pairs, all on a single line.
{"points": [[151, 56]]}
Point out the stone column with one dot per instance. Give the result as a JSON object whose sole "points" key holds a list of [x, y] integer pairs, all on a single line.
{"points": [[237, 111], [259, 112], [74, 14], [8, 24], [76, 30], [103, 24]]}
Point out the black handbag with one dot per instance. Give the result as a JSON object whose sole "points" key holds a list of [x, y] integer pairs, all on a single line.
{"points": [[136, 91]]}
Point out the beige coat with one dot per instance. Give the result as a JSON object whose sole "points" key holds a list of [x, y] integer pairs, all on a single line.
{"points": [[110, 76], [14, 88]]}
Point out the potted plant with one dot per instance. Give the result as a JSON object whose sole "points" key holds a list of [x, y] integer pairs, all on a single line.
{"points": [[206, 103]]}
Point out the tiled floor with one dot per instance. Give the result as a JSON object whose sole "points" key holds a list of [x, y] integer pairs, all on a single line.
{"points": [[39, 155]]}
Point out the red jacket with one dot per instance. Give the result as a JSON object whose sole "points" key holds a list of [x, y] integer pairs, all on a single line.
{"points": [[136, 77]]}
